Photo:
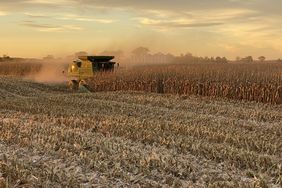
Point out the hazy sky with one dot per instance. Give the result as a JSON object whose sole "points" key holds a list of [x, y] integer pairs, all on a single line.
{"points": [[35, 28]]}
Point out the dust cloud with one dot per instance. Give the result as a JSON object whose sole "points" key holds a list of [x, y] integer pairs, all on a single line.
{"points": [[50, 72]]}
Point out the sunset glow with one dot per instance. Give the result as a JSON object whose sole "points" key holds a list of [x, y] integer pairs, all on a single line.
{"points": [[36, 28]]}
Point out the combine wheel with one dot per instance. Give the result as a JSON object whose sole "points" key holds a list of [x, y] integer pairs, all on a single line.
{"points": [[73, 85], [83, 85]]}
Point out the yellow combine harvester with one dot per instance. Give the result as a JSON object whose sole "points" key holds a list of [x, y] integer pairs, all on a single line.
{"points": [[85, 67]]}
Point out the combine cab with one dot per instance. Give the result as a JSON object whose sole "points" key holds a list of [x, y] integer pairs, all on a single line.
{"points": [[85, 67]]}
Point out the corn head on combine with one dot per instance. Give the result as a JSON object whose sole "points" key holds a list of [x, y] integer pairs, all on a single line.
{"points": [[85, 67]]}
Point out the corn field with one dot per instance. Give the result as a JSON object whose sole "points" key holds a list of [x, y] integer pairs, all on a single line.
{"points": [[19, 68], [248, 82], [51, 137]]}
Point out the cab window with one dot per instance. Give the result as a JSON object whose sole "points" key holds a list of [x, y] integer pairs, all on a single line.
{"points": [[78, 63]]}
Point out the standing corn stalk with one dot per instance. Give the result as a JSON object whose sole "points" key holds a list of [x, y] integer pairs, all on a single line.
{"points": [[258, 83]]}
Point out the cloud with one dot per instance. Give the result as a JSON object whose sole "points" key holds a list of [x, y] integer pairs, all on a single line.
{"points": [[168, 5], [179, 5], [232, 25], [196, 18], [155, 5], [226, 15], [180, 23], [68, 16], [50, 28], [48, 2], [36, 15], [86, 19], [202, 11]]}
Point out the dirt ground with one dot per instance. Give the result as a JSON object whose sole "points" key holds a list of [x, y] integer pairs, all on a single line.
{"points": [[51, 137]]}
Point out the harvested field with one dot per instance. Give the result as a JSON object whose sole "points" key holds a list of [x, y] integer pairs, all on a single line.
{"points": [[50, 137]]}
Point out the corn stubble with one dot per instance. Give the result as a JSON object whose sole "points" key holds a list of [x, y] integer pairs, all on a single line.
{"points": [[53, 138], [248, 82]]}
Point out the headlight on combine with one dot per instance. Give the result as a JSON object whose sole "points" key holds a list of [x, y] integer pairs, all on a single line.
{"points": [[72, 68]]}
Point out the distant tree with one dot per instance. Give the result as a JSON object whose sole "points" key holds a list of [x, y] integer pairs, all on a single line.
{"points": [[81, 53], [188, 57], [170, 58], [224, 60], [140, 51], [212, 59], [238, 58], [218, 59], [188, 54], [207, 59], [261, 58], [158, 58], [6, 56], [248, 59], [118, 54], [221, 59], [48, 57]]}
